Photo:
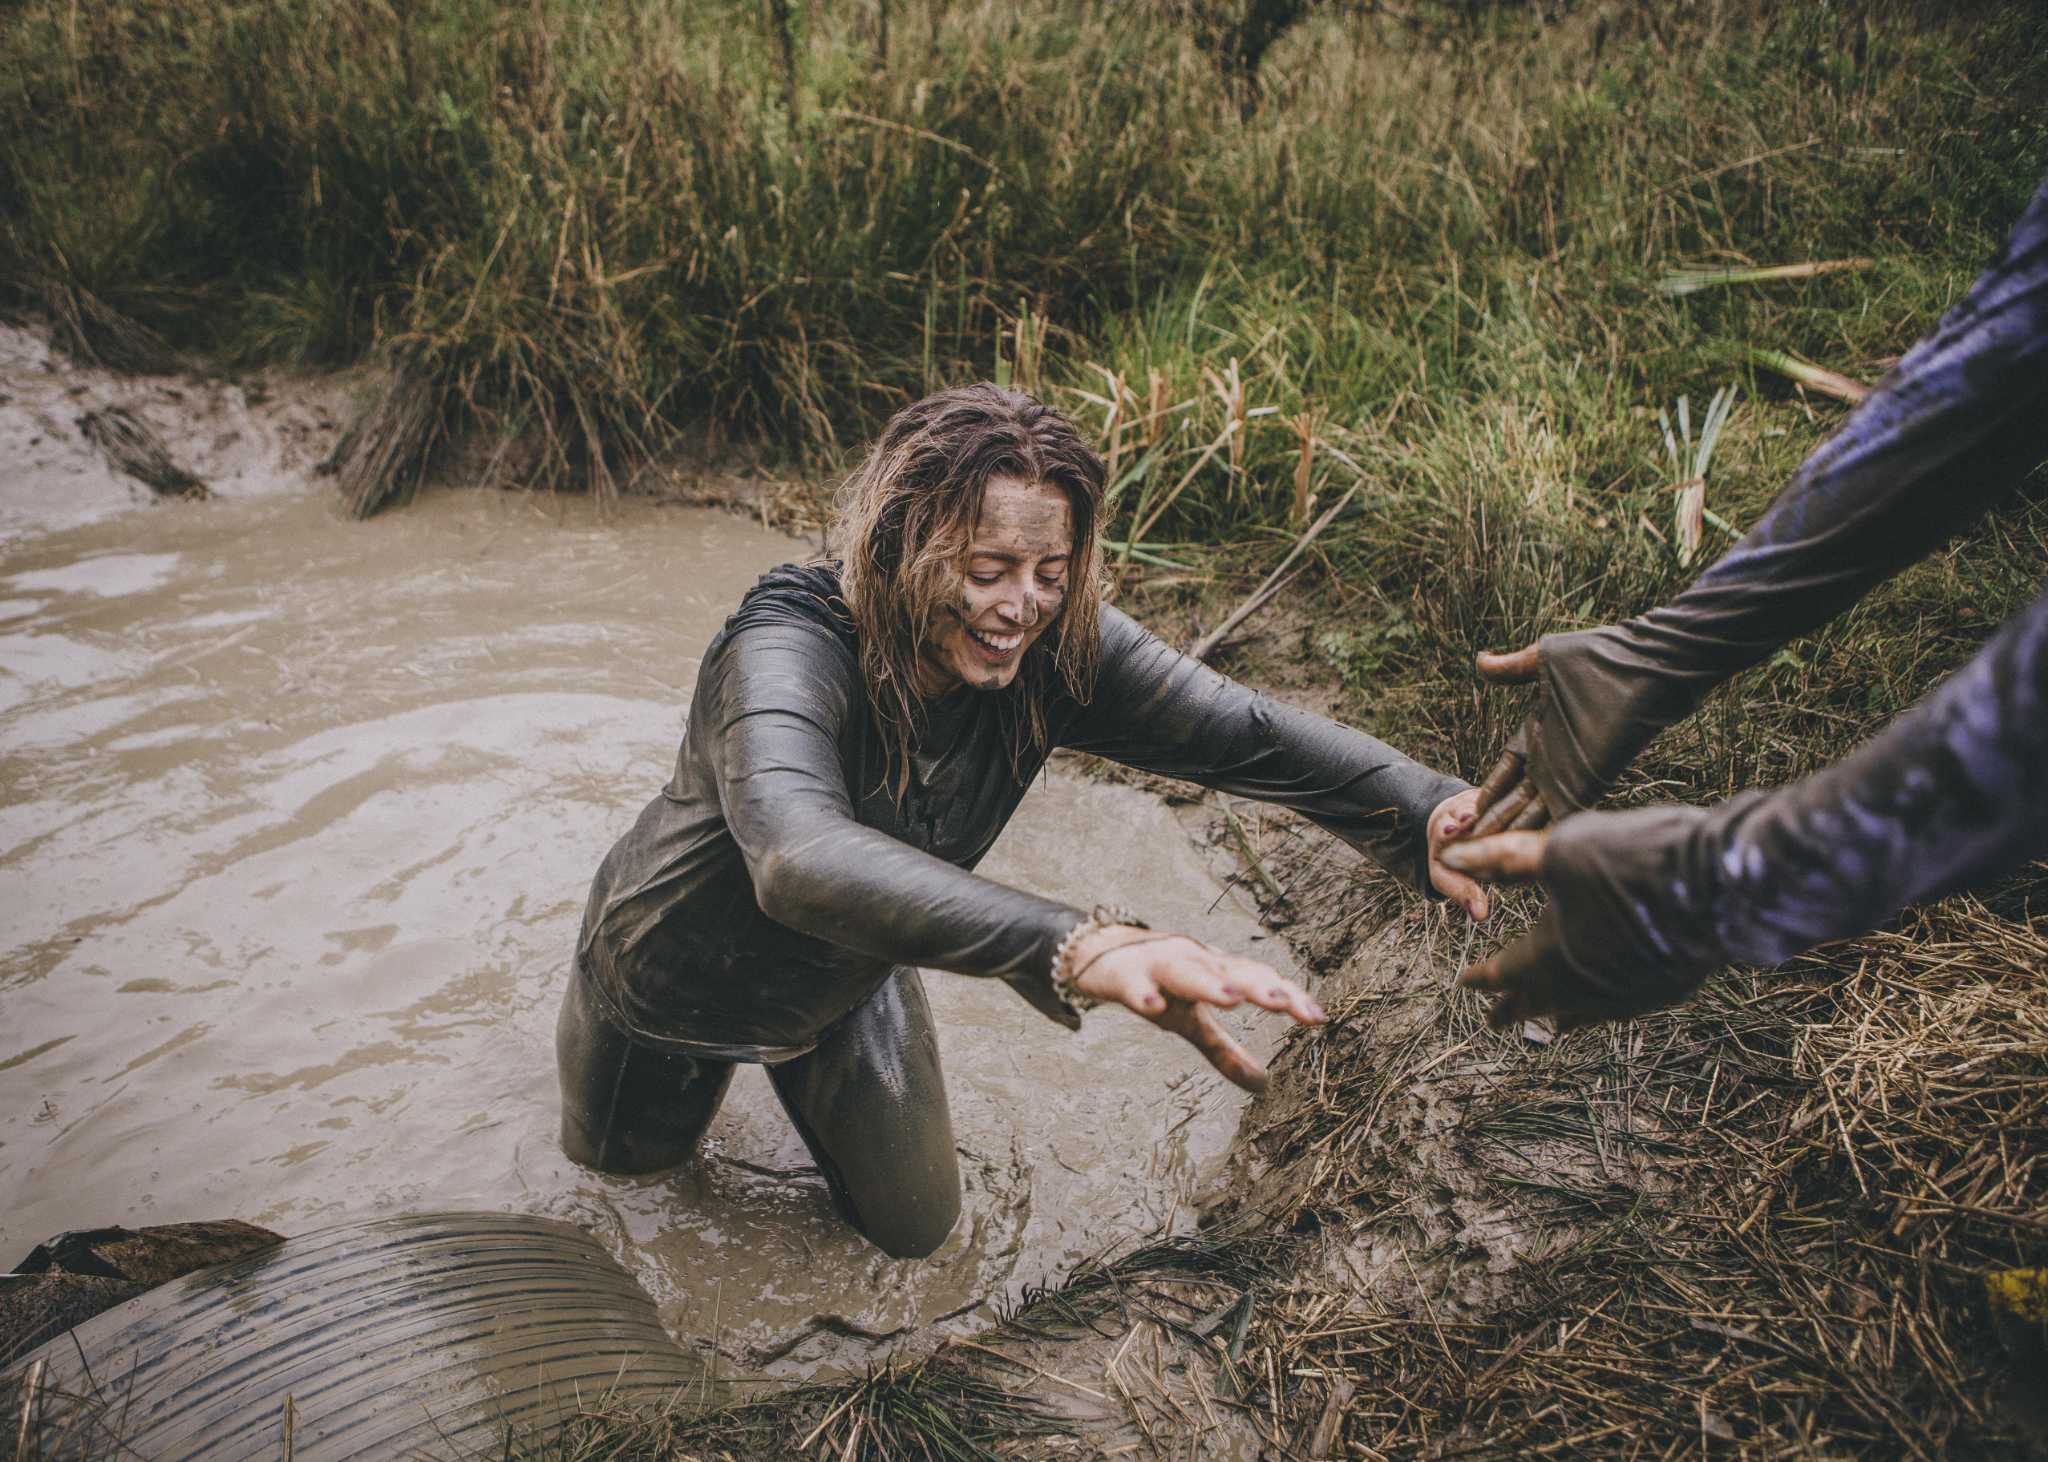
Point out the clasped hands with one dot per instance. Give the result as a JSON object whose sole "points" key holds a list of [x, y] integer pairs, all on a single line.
{"points": [[1533, 979]]}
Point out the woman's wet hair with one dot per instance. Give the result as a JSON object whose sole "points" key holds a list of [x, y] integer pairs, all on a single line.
{"points": [[903, 524]]}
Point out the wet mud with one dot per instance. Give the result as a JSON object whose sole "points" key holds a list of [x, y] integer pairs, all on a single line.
{"points": [[297, 818]]}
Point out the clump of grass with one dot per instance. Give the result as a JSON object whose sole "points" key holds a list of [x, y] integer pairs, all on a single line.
{"points": [[941, 1409], [1689, 518], [603, 231]]}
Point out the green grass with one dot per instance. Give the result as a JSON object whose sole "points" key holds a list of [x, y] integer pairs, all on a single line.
{"points": [[602, 224]]}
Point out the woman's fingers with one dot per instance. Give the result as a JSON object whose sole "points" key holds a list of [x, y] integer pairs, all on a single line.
{"points": [[1448, 823], [1142, 973], [1176, 982], [1128, 982], [1272, 991], [1460, 890], [1503, 858], [1189, 970], [1214, 978], [1514, 667], [1197, 1025]]}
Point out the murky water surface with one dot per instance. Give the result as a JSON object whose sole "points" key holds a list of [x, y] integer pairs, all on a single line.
{"points": [[299, 816]]}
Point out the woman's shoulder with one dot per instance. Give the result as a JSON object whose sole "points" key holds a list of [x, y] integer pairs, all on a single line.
{"points": [[805, 594], [1123, 640]]}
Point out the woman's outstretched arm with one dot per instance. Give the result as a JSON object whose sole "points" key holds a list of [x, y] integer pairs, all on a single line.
{"points": [[1160, 710], [773, 705]]}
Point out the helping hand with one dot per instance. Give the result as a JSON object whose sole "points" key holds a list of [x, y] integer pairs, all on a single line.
{"points": [[1508, 800], [1532, 977], [1173, 980]]}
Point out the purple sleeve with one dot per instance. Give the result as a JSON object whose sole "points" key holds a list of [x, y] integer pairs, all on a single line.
{"points": [[1954, 793], [1957, 425]]}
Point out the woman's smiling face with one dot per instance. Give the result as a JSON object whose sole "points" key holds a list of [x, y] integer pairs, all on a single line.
{"points": [[1013, 585]]}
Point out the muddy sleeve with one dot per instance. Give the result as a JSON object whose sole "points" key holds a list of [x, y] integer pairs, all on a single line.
{"points": [[1955, 792], [781, 695], [1959, 424], [1160, 710]]}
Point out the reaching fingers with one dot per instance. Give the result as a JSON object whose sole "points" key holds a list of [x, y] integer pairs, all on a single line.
{"points": [[1529, 976], [1515, 667], [1134, 988], [1447, 823], [1145, 973], [1503, 858], [1187, 969], [1214, 978], [1526, 993], [1197, 1025], [1501, 815], [1535, 815], [1272, 991], [1503, 779]]}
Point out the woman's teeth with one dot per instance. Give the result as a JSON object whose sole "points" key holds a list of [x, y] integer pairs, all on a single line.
{"points": [[996, 644]]}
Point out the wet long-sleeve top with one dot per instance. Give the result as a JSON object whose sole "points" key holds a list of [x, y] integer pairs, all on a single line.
{"points": [[1952, 794], [779, 877], [1957, 425]]}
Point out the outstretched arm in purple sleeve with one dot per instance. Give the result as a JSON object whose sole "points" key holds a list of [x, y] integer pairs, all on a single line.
{"points": [[1957, 425], [1644, 904]]}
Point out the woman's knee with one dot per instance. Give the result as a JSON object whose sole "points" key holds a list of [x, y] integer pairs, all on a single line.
{"points": [[913, 1221], [870, 1103]]}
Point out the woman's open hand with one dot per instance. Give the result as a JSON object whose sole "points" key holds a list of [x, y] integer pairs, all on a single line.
{"points": [[1173, 981]]}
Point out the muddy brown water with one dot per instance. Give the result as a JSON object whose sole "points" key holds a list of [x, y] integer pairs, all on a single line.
{"points": [[299, 816]]}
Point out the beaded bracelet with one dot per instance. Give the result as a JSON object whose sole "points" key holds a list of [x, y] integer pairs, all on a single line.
{"points": [[1102, 916]]}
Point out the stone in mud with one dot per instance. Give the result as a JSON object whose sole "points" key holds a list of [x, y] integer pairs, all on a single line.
{"points": [[72, 1277]]}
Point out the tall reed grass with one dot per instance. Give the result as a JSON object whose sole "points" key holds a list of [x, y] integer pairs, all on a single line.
{"points": [[605, 225], [1428, 259]]}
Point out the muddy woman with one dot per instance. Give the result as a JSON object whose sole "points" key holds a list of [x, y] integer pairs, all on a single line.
{"points": [[860, 733]]}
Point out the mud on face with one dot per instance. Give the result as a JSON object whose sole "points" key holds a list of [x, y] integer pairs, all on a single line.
{"points": [[1014, 581]]}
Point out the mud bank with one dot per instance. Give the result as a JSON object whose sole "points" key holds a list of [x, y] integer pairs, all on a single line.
{"points": [[299, 818]]}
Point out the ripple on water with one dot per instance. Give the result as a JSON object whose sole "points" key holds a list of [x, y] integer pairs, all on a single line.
{"points": [[107, 575]]}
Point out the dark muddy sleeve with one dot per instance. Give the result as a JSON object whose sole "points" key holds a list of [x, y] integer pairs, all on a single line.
{"points": [[1958, 424], [1162, 711], [780, 696], [1954, 793]]}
